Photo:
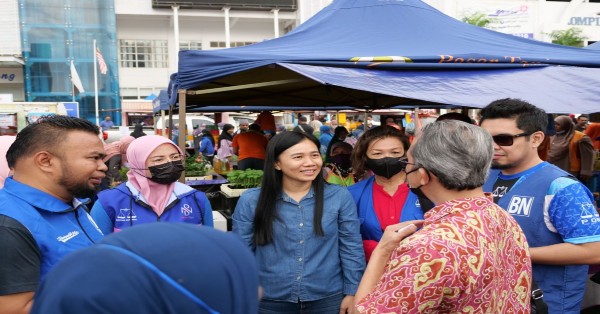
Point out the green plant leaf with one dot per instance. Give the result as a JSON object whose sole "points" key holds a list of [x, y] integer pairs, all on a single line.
{"points": [[568, 37]]}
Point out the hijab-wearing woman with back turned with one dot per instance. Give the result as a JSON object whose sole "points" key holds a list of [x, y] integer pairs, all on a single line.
{"points": [[225, 139], [571, 150], [154, 269], [152, 192], [304, 232]]}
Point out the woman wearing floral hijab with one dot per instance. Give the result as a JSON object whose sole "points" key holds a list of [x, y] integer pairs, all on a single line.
{"points": [[152, 192]]}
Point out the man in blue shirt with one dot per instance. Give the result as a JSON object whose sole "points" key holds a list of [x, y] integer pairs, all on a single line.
{"points": [[106, 123], [54, 160], [555, 211]]}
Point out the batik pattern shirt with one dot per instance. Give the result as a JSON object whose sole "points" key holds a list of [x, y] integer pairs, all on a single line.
{"points": [[469, 257]]}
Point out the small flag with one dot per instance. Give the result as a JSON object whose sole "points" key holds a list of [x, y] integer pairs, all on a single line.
{"points": [[101, 63], [75, 78]]}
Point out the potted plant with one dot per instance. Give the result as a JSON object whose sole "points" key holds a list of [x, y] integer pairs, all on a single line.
{"points": [[240, 181], [196, 169]]}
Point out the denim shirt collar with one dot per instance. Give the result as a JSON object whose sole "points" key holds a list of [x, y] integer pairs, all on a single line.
{"points": [[283, 196]]}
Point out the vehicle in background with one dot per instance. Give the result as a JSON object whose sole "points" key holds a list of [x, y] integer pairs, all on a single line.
{"points": [[117, 132], [205, 119], [190, 122]]}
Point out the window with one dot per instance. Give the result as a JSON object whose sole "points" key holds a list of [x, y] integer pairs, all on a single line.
{"points": [[139, 93], [144, 53], [221, 44], [190, 45], [129, 93]]}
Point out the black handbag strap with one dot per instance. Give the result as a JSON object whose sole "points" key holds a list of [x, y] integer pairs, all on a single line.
{"points": [[537, 299]]}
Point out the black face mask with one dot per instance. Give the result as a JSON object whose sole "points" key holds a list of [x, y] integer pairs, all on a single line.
{"points": [[342, 161], [386, 167], [424, 201], [166, 173]]}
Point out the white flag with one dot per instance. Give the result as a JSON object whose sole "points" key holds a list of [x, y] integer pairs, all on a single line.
{"points": [[75, 78]]}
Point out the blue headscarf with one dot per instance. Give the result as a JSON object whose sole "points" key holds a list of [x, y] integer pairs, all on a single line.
{"points": [[155, 268]]}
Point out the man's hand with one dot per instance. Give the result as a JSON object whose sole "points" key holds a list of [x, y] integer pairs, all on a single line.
{"points": [[393, 234]]}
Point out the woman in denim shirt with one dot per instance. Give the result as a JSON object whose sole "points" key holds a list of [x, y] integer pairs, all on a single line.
{"points": [[304, 232]]}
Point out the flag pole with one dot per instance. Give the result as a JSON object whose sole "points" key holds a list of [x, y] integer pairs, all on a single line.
{"points": [[72, 89], [96, 85]]}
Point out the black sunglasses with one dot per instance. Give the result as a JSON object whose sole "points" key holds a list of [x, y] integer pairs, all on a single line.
{"points": [[507, 139]]}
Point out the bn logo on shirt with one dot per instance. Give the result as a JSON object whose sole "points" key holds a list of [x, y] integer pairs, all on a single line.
{"points": [[520, 205]]}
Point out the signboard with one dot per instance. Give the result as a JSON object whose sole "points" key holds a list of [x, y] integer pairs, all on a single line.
{"points": [[11, 75], [234, 4], [8, 120], [6, 98], [515, 18], [72, 109], [8, 124]]}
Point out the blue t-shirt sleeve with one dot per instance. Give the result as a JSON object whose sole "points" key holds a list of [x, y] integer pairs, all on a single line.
{"points": [[208, 214], [101, 218], [572, 212]]}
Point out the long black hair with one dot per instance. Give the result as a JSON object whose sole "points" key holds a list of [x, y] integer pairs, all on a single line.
{"points": [[272, 183]]}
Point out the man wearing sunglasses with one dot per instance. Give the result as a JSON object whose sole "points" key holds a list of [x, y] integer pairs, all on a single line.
{"points": [[555, 211]]}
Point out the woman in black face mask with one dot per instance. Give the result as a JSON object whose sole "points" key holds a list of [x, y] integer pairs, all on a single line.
{"points": [[383, 197], [152, 192], [339, 170]]}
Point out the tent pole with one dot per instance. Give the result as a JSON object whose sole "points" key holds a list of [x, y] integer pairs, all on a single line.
{"points": [[182, 128], [171, 124], [162, 122]]}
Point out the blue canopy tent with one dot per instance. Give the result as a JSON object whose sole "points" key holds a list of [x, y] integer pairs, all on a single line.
{"points": [[161, 102], [594, 46], [376, 54]]}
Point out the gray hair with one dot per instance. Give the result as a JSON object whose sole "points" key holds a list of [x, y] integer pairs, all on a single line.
{"points": [[458, 153]]}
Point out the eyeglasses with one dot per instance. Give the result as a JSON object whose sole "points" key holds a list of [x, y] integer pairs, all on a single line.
{"points": [[159, 160], [507, 139], [405, 163]]}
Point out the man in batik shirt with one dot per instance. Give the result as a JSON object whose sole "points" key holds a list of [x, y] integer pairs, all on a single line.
{"points": [[470, 255]]}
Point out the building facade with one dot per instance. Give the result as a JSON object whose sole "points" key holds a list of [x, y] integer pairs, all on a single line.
{"points": [[55, 33]]}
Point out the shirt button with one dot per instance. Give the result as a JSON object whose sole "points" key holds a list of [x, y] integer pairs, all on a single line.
{"points": [[299, 206], [301, 241], [298, 278], [300, 259], [301, 224]]}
